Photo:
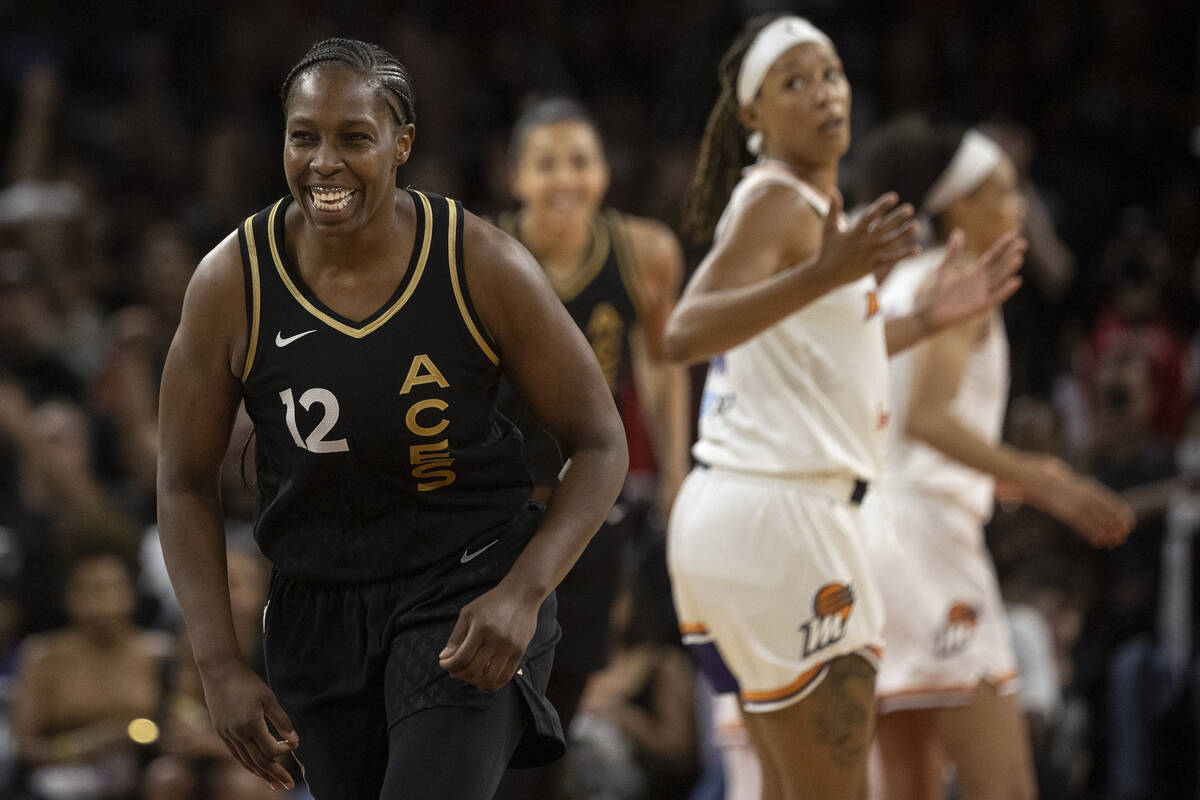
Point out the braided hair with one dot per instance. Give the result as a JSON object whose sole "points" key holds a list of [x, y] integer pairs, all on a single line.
{"points": [[723, 151], [371, 61]]}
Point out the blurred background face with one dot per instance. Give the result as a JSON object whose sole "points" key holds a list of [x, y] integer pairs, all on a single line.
{"points": [[993, 209], [561, 174], [803, 108], [99, 594]]}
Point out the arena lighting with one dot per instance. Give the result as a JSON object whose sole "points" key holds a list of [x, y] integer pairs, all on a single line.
{"points": [[143, 731]]}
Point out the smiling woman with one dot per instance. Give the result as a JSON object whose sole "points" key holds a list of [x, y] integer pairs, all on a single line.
{"points": [[406, 655]]}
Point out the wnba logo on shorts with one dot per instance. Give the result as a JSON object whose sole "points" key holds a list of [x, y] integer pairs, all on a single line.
{"points": [[832, 606], [952, 638]]}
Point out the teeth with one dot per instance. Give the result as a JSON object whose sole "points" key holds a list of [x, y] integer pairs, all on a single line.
{"points": [[330, 199]]}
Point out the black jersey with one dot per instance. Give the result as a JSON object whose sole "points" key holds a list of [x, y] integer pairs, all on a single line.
{"points": [[378, 447], [602, 297]]}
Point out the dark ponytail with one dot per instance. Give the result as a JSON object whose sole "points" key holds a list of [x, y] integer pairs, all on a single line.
{"points": [[905, 156], [723, 152]]}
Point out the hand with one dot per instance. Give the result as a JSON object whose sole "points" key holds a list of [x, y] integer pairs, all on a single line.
{"points": [[879, 238], [1098, 513], [488, 641], [238, 701], [956, 296]]}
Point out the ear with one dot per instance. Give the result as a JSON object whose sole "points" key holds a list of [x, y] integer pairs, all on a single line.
{"points": [[750, 116], [404, 142]]}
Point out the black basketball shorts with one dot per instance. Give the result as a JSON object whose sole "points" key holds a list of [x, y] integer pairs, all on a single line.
{"points": [[349, 661]]}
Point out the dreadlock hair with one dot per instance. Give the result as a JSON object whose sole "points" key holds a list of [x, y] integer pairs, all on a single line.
{"points": [[723, 152], [371, 61], [546, 110], [905, 156]]}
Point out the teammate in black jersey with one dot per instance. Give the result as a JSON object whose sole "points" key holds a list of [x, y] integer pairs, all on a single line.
{"points": [[410, 622], [618, 277]]}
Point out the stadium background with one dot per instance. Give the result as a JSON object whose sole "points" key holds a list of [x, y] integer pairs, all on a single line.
{"points": [[138, 134]]}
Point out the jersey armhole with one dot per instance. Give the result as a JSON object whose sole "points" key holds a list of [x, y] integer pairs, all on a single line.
{"points": [[458, 281], [626, 260], [253, 286]]}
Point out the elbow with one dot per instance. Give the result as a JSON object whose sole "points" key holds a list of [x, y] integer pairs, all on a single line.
{"points": [[677, 346]]}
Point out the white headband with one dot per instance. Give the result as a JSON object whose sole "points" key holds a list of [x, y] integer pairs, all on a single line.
{"points": [[770, 43], [975, 159]]}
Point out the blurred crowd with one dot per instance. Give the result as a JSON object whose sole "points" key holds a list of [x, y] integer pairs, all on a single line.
{"points": [[136, 135]]}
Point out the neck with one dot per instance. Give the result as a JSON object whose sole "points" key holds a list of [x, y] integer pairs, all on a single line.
{"points": [[821, 176], [108, 637], [354, 251], [551, 242]]}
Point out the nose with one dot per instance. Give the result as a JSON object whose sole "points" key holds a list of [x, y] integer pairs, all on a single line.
{"points": [[326, 159]]}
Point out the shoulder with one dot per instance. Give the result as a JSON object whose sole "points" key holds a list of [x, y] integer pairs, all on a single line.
{"points": [[41, 650], [772, 209], [654, 244], [491, 253], [219, 273]]}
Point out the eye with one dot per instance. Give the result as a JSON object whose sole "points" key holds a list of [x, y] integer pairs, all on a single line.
{"points": [[797, 84], [833, 74], [359, 138], [300, 137]]}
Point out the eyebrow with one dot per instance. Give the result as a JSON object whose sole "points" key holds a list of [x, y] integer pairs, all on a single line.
{"points": [[352, 122]]}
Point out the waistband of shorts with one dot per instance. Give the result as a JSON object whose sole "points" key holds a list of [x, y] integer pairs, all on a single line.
{"points": [[837, 486]]}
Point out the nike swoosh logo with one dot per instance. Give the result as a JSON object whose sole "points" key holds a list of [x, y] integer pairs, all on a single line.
{"points": [[282, 342], [468, 555]]}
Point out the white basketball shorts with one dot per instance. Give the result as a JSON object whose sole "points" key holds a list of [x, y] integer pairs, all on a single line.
{"points": [[946, 628], [772, 581]]}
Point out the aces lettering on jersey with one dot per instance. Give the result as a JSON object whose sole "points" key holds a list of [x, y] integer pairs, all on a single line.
{"points": [[426, 417]]}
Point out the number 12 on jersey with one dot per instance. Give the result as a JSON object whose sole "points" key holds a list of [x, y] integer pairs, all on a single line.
{"points": [[316, 441]]}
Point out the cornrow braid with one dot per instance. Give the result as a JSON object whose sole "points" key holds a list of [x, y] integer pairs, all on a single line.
{"points": [[723, 151], [369, 60]]}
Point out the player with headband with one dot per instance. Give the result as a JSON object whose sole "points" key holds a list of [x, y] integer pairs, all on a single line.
{"points": [[767, 544], [947, 681]]}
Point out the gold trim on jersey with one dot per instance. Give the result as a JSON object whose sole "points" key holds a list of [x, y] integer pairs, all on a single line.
{"points": [[255, 299], [452, 240], [569, 286], [378, 322], [626, 262]]}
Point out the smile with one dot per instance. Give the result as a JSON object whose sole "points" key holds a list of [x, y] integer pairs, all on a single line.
{"points": [[330, 199]]}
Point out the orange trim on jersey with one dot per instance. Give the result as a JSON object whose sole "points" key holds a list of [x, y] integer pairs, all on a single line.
{"points": [[255, 299], [795, 687], [692, 627]]}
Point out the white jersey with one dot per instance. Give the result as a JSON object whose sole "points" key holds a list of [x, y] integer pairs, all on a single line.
{"points": [[979, 405], [810, 393]]}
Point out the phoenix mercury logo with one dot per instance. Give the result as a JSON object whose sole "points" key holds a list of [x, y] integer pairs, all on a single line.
{"points": [[832, 605], [955, 633]]}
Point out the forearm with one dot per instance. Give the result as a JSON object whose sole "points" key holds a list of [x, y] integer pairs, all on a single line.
{"points": [[943, 432], [192, 533], [904, 332], [575, 512], [706, 323]]}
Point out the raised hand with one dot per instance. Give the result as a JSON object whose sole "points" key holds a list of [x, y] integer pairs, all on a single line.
{"points": [[489, 640], [957, 295], [240, 703], [883, 235], [1096, 512]]}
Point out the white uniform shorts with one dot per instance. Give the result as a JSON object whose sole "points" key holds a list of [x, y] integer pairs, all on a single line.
{"points": [[946, 628], [772, 581]]}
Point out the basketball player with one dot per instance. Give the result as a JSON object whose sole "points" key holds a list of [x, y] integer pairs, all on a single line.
{"points": [[766, 539], [618, 277], [409, 627], [947, 682]]}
